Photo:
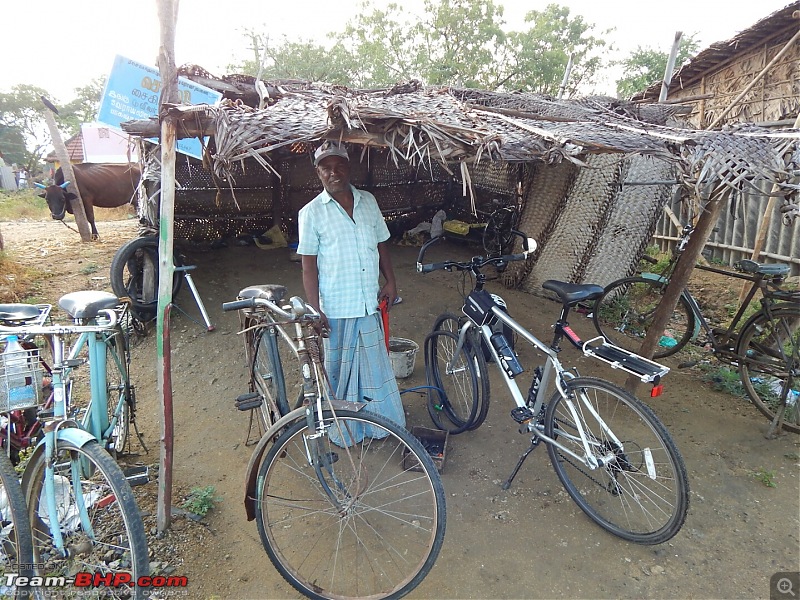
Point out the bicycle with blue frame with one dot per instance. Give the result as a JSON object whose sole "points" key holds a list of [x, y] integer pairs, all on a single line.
{"points": [[614, 457], [81, 508]]}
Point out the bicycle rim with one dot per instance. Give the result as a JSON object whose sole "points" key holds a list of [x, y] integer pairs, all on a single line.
{"points": [[367, 526], [641, 493], [625, 311], [134, 273], [452, 323], [267, 377], [770, 364], [116, 543], [16, 547], [453, 405]]}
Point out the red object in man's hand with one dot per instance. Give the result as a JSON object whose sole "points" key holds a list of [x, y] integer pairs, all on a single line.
{"points": [[383, 306]]}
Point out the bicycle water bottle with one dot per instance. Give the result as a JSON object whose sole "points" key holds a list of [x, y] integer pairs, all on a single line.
{"points": [[508, 360], [18, 377], [534, 389]]}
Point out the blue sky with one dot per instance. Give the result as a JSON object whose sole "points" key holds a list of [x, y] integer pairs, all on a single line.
{"points": [[60, 46]]}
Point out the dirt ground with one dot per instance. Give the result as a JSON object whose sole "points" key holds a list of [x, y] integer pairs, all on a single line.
{"points": [[528, 542]]}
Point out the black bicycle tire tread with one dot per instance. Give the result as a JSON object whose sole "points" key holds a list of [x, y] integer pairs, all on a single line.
{"points": [[424, 460], [120, 260], [115, 478], [750, 328], [670, 529], [660, 352], [19, 515], [434, 378]]}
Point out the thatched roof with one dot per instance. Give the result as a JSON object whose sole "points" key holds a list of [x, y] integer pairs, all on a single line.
{"points": [[457, 127]]}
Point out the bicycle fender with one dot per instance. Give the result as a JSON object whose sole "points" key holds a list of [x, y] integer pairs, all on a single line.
{"points": [[655, 277], [251, 475], [74, 435]]}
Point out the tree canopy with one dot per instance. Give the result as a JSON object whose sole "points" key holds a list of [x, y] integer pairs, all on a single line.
{"points": [[645, 66]]}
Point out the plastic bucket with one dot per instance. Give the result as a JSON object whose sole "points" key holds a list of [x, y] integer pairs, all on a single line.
{"points": [[402, 353]]}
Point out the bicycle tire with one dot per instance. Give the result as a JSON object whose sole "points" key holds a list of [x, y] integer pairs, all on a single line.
{"points": [[766, 373], [119, 544], [16, 546], [127, 272], [497, 237], [456, 396], [623, 314], [267, 377], [451, 322], [119, 392], [388, 535], [642, 493]]}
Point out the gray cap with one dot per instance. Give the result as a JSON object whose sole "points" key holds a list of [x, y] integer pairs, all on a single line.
{"points": [[329, 148]]}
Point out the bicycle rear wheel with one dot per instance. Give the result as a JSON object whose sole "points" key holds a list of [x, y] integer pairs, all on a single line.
{"points": [[267, 376], [16, 547], [134, 274], [450, 322], [366, 521], [453, 405], [497, 236], [109, 539], [769, 351], [624, 312], [640, 491]]}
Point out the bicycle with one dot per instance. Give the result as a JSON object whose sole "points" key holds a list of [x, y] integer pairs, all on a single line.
{"points": [[498, 234], [766, 348], [80, 505], [614, 457], [347, 503]]}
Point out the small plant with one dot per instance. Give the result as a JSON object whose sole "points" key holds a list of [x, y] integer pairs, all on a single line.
{"points": [[201, 500], [89, 269], [765, 477], [724, 379], [24, 456]]}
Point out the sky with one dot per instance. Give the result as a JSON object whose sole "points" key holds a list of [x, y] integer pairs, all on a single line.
{"points": [[60, 46]]}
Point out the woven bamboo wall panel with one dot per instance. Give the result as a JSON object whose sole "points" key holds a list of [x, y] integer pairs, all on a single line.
{"points": [[575, 233], [630, 221]]}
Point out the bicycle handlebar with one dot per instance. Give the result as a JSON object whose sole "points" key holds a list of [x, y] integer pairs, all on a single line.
{"points": [[477, 262], [108, 313], [299, 307]]}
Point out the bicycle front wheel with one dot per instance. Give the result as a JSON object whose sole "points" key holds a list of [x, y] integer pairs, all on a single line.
{"points": [[450, 322], [453, 405], [16, 548], [99, 521], [769, 351], [364, 521], [624, 312], [638, 489]]}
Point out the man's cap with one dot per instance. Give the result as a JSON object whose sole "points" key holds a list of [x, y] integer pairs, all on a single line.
{"points": [[329, 148]]}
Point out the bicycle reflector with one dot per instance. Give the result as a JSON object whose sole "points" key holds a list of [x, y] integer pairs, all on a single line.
{"points": [[657, 390]]}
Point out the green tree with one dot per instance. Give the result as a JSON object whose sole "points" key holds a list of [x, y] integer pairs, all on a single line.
{"points": [[83, 109], [538, 57], [21, 112], [645, 66]]}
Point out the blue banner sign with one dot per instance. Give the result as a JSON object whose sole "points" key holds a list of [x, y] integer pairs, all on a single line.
{"points": [[132, 93]]}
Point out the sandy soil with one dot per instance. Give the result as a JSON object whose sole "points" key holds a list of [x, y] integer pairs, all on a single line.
{"points": [[528, 542]]}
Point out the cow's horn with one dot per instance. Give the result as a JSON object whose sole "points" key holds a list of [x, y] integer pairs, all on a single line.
{"points": [[41, 186], [64, 185]]}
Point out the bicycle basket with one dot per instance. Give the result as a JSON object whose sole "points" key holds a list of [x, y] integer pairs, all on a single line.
{"points": [[20, 380]]}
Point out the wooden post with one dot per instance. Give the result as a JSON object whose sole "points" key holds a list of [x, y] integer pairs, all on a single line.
{"points": [[677, 282], [567, 72], [168, 15], [69, 175]]}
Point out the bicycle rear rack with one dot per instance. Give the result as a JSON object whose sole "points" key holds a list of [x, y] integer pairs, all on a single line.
{"points": [[645, 369]]}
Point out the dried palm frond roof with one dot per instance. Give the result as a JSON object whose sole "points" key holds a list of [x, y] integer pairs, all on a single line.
{"points": [[418, 124]]}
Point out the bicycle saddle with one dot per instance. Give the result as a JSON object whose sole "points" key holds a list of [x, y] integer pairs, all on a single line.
{"points": [[86, 304], [751, 266], [572, 293], [270, 291], [18, 312]]}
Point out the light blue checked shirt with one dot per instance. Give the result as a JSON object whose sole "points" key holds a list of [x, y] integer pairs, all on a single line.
{"points": [[346, 251]]}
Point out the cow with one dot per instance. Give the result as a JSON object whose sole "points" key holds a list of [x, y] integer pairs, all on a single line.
{"points": [[103, 185]]}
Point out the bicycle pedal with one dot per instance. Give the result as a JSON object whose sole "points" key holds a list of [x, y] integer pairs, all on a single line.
{"points": [[522, 414], [249, 405], [248, 396], [139, 475]]}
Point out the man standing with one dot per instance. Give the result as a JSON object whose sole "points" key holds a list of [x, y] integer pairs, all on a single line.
{"points": [[343, 251]]}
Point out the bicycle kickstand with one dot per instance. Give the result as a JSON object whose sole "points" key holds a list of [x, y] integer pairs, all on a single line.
{"points": [[185, 270], [507, 483]]}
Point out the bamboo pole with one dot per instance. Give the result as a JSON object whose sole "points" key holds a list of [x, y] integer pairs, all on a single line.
{"points": [[167, 15], [567, 72], [673, 54], [69, 175]]}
